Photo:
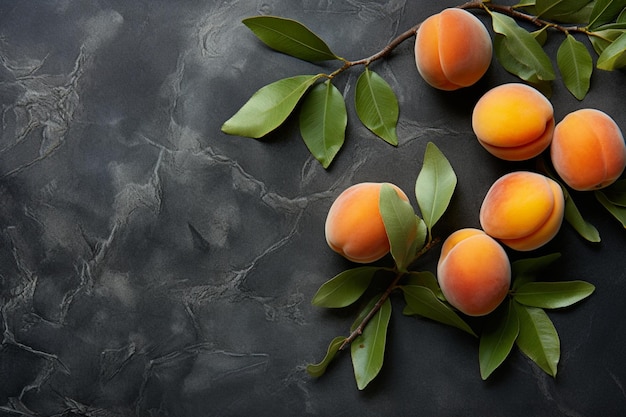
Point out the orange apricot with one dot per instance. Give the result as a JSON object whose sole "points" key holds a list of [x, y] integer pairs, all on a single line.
{"points": [[523, 210], [452, 49], [588, 150], [354, 226], [474, 272], [513, 121]]}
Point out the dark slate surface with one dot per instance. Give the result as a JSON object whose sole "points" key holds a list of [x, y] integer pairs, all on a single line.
{"points": [[153, 266]]}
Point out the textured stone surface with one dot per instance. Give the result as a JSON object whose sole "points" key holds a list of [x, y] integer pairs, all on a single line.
{"points": [[153, 266]]}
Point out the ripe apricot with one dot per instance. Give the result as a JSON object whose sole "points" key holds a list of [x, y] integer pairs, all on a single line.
{"points": [[523, 210], [354, 227], [473, 271], [588, 150], [452, 49], [513, 122]]}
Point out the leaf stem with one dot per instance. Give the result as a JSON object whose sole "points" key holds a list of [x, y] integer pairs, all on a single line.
{"points": [[392, 286]]}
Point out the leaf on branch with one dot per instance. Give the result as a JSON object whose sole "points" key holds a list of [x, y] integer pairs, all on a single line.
{"points": [[537, 338], [345, 288], [434, 186], [401, 226], [422, 301], [604, 11], [368, 349], [323, 121], [554, 9], [619, 212], [269, 107], [531, 61], [497, 338], [290, 37], [575, 65], [526, 270], [318, 369], [377, 106], [613, 56], [424, 279], [616, 193], [604, 36], [553, 294]]}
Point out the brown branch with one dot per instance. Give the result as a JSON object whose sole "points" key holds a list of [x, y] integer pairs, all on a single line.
{"points": [[470, 5], [394, 284]]}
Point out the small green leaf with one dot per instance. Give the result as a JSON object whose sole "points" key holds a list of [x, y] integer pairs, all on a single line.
{"points": [[540, 35], [316, 370], [526, 270], [497, 338], [553, 294], [377, 106], [604, 11], [616, 193], [613, 56], [514, 63], [269, 107], [537, 338], [323, 121], [576, 66], [524, 46], [601, 39], [345, 288], [368, 349], [434, 186], [400, 224], [422, 301], [289, 37], [552, 9], [424, 279], [576, 220], [619, 212]]}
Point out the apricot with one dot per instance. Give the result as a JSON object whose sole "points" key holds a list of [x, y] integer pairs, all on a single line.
{"points": [[354, 226], [514, 122], [474, 272], [523, 210], [588, 150], [452, 49]]}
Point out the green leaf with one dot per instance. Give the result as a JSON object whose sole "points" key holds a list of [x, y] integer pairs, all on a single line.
{"points": [[616, 193], [552, 9], [345, 288], [290, 37], [576, 220], [434, 186], [614, 55], [400, 224], [513, 63], [323, 121], [580, 16], [618, 212], [377, 106], [497, 338], [540, 35], [422, 301], [526, 270], [601, 39], [622, 16], [368, 349], [576, 66], [553, 294], [316, 370], [524, 46], [604, 11], [424, 279], [537, 338], [269, 107]]}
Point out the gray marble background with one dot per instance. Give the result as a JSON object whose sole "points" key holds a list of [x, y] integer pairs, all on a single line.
{"points": [[152, 266]]}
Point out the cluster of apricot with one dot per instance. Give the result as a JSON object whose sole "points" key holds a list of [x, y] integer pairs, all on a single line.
{"points": [[522, 210]]}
